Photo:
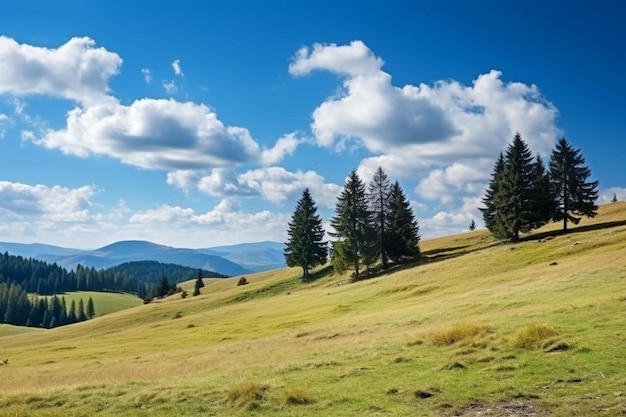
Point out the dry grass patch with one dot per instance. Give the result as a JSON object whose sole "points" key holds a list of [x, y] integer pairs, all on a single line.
{"points": [[247, 394], [458, 332], [535, 336], [297, 396]]}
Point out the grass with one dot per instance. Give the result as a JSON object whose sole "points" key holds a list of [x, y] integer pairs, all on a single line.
{"points": [[104, 302], [517, 333]]}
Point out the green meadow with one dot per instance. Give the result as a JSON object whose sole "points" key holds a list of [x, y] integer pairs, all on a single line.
{"points": [[478, 327]]}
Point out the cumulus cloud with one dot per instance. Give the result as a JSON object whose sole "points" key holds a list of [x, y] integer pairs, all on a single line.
{"points": [[284, 146], [154, 134], [438, 123], [225, 222], [457, 220], [59, 204], [274, 184], [463, 176], [77, 70]]}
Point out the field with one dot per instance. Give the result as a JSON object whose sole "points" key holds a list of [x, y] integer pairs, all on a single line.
{"points": [[104, 302], [479, 328]]}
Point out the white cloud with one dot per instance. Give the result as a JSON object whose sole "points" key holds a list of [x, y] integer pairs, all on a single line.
{"points": [[274, 184], [452, 221], [154, 134], [226, 223], [77, 70], [176, 67], [437, 123], [464, 176], [58, 204], [183, 179], [5, 122], [284, 146], [147, 75], [170, 87]]}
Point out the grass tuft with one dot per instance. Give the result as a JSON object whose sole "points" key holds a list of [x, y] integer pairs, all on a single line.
{"points": [[297, 396], [535, 336], [458, 332], [247, 394]]}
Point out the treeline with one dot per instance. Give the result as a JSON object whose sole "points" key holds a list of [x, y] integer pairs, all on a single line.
{"points": [[373, 224], [152, 272], [17, 308], [35, 276], [523, 194]]}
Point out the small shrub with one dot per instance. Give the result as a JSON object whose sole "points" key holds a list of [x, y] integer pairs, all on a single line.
{"points": [[534, 336], [297, 396], [183, 294], [177, 315], [242, 281], [457, 333]]}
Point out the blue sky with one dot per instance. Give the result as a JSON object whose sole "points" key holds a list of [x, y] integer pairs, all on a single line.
{"points": [[197, 124]]}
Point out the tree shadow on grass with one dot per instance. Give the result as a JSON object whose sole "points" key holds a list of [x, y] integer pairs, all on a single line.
{"points": [[574, 230], [323, 272]]}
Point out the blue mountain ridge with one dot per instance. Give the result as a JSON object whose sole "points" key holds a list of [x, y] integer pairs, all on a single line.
{"points": [[229, 260]]}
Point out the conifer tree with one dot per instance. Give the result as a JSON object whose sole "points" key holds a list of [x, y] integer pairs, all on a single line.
{"points": [[403, 236], [542, 195], [80, 314], [306, 246], [490, 200], [511, 198], [575, 195], [379, 196], [71, 315], [355, 243], [91, 311], [472, 225]]}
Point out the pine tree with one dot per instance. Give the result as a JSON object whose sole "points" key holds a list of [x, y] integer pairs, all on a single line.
{"points": [[198, 284], [306, 246], [542, 195], [575, 195], [91, 311], [80, 315], [511, 200], [379, 196], [614, 199], [403, 236], [71, 315], [472, 225], [356, 244], [490, 200]]}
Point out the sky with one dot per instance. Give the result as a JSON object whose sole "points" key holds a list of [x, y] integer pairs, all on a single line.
{"points": [[197, 124]]}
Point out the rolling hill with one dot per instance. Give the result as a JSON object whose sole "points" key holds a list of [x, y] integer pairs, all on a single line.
{"points": [[227, 260], [478, 327]]}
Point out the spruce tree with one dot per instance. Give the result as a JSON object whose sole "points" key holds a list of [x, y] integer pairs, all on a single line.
{"points": [[198, 284], [472, 225], [490, 200], [575, 195], [403, 229], [306, 247], [71, 315], [91, 311], [543, 195], [355, 243], [379, 196], [80, 314]]}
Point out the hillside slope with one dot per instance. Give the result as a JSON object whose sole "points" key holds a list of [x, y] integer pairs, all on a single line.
{"points": [[478, 328]]}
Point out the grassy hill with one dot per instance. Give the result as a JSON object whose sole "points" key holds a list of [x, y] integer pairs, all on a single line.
{"points": [[479, 328]]}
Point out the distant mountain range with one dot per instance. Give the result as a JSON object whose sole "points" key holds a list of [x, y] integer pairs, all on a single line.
{"points": [[228, 260]]}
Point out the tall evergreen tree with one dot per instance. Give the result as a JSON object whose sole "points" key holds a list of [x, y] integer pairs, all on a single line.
{"points": [[490, 200], [80, 314], [403, 229], [198, 284], [575, 195], [91, 311], [511, 198], [355, 243], [543, 195], [71, 315], [306, 246], [379, 196]]}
